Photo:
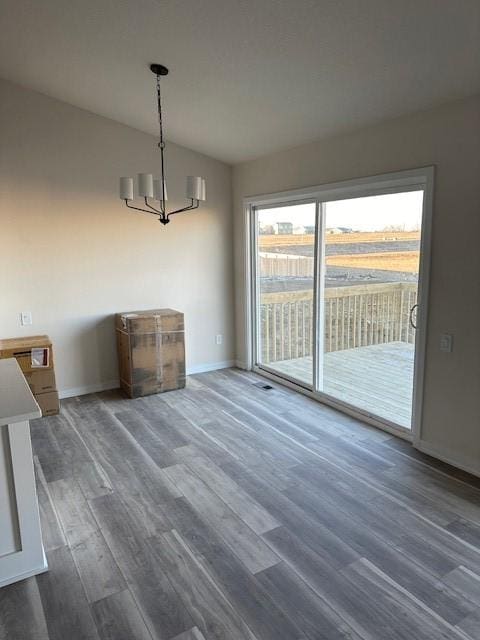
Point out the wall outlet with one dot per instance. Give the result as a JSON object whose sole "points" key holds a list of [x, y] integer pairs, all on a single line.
{"points": [[219, 338], [446, 342], [26, 318]]}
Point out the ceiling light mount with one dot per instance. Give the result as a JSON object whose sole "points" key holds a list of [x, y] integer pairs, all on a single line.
{"points": [[158, 69], [150, 188]]}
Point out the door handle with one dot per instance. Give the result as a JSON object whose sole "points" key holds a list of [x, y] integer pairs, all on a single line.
{"points": [[410, 316]]}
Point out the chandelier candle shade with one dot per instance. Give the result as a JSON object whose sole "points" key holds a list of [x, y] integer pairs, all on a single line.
{"points": [[150, 188]]}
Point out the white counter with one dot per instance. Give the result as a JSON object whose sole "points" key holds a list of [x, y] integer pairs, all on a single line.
{"points": [[17, 403], [21, 549]]}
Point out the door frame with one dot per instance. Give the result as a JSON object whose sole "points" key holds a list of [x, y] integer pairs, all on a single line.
{"points": [[401, 181]]}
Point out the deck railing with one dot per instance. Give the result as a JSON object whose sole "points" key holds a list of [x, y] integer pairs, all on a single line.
{"points": [[355, 316]]}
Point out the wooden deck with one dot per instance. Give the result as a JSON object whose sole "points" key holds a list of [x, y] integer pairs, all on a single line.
{"points": [[377, 379]]}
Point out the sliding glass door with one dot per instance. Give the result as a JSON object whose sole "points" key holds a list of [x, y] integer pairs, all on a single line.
{"points": [[371, 253], [336, 282]]}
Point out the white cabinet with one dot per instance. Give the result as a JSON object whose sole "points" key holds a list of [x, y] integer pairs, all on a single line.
{"points": [[21, 548]]}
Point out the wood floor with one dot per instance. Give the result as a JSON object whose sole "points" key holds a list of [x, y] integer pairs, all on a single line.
{"points": [[377, 379], [226, 511]]}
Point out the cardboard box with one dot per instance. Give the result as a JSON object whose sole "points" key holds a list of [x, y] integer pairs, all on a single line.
{"points": [[41, 381], [31, 353], [150, 321], [48, 403], [151, 351]]}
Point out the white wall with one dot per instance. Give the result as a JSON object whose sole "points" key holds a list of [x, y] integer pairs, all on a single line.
{"points": [[448, 137], [73, 255]]}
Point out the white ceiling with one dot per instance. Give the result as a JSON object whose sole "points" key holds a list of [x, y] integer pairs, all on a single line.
{"points": [[248, 77]]}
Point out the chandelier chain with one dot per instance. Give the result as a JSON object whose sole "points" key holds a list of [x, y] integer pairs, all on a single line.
{"points": [[161, 143]]}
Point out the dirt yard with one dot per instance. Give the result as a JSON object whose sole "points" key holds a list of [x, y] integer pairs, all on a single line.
{"points": [[406, 261]]}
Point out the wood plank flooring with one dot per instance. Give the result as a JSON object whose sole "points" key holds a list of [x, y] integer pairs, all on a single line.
{"points": [[227, 512]]}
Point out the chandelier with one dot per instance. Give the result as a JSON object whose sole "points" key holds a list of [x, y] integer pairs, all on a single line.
{"points": [[151, 188]]}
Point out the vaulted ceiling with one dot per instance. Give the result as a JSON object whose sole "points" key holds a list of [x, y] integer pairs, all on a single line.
{"points": [[248, 77]]}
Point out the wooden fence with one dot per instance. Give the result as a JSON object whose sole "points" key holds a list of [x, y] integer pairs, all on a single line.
{"points": [[355, 316], [285, 264]]}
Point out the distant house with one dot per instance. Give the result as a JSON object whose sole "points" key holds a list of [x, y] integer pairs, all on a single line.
{"points": [[333, 230], [282, 228], [301, 229]]}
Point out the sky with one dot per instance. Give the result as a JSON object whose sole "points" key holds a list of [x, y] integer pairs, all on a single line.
{"points": [[373, 213]]}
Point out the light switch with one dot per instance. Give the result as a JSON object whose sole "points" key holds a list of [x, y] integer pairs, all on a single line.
{"points": [[26, 318], [446, 342]]}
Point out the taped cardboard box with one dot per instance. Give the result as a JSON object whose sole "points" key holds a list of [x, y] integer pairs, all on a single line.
{"points": [[32, 353], [158, 362], [150, 321], [151, 363], [48, 403], [41, 381], [151, 351]]}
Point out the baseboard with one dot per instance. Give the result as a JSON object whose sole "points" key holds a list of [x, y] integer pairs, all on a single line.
{"points": [[445, 456], [240, 364], [203, 368], [114, 384], [89, 388]]}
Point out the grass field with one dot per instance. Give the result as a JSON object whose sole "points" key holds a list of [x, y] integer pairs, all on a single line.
{"points": [[406, 261]]}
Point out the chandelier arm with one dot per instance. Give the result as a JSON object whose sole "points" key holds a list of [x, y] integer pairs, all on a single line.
{"points": [[160, 211], [130, 206], [189, 208]]}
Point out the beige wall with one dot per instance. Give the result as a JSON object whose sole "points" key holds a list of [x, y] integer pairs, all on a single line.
{"points": [[73, 255], [448, 137]]}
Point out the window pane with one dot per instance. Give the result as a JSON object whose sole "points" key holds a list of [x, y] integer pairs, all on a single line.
{"points": [[285, 268], [371, 264]]}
